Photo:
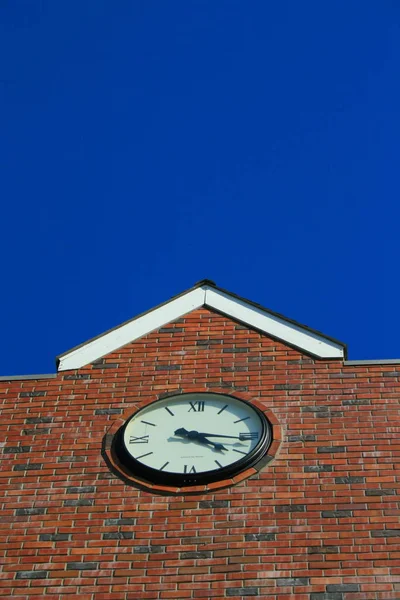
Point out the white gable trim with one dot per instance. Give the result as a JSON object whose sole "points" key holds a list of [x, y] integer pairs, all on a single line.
{"points": [[235, 308], [132, 330], [277, 327]]}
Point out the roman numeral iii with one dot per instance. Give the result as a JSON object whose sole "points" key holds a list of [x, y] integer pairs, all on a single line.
{"points": [[252, 435]]}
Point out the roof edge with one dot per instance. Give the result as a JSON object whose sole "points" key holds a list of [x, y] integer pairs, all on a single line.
{"points": [[383, 361], [25, 377], [205, 293], [140, 315], [277, 315]]}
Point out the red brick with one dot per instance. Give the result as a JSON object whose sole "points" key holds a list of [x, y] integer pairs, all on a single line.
{"points": [[366, 551]]}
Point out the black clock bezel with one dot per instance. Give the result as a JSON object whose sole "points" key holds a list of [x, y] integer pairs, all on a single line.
{"points": [[155, 476]]}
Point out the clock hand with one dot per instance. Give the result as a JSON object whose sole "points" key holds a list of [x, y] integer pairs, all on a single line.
{"points": [[181, 432], [241, 436], [199, 437], [202, 439]]}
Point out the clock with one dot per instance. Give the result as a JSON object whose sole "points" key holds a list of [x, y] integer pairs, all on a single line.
{"points": [[191, 439]]}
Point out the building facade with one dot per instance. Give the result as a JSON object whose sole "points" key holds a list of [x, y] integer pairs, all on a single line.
{"points": [[314, 516]]}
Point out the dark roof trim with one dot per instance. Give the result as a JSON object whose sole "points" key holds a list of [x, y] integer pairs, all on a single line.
{"points": [[25, 377], [384, 361]]}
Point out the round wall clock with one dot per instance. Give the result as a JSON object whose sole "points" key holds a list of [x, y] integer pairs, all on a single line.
{"points": [[191, 439]]}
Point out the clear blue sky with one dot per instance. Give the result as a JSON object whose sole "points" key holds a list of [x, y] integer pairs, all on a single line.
{"points": [[148, 144]]}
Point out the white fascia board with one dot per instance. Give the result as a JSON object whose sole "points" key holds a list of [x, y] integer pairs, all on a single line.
{"points": [[235, 308], [270, 324], [116, 338]]}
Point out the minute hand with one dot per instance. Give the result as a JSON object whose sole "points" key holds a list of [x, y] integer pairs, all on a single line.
{"points": [[241, 436]]}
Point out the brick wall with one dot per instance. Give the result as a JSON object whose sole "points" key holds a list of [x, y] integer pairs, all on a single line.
{"points": [[319, 522]]}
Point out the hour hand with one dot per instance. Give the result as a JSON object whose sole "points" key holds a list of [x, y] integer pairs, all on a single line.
{"points": [[198, 437], [182, 432]]}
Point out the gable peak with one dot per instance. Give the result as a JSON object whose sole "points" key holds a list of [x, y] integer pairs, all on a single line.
{"points": [[205, 293]]}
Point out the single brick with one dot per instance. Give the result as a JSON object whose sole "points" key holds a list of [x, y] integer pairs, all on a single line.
{"points": [[119, 522], [35, 420], [63, 459], [168, 367], [387, 492], [356, 402], [342, 375], [391, 374], [282, 508], [249, 591], [31, 394], [318, 469], [323, 550], [28, 467], [385, 533], [261, 358], [336, 514], [31, 575], [313, 409], [82, 566], [204, 554], [343, 587], [54, 537], [292, 581], [118, 535], [148, 549], [208, 342], [21, 512], [16, 449], [77, 376], [302, 438], [84, 489], [234, 369], [260, 537], [350, 479], [329, 414], [287, 386], [108, 411], [105, 365], [39, 431], [171, 330], [87, 502], [330, 449]]}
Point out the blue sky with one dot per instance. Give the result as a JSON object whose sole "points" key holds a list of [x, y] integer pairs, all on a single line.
{"points": [[148, 144]]}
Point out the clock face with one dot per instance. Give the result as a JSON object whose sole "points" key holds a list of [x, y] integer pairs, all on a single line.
{"points": [[193, 438]]}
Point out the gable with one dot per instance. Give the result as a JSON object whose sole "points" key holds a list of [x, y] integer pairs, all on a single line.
{"points": [[205, 294]]}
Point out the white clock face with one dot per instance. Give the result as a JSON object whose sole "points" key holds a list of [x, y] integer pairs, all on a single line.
{"points": [[193, 433]]}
